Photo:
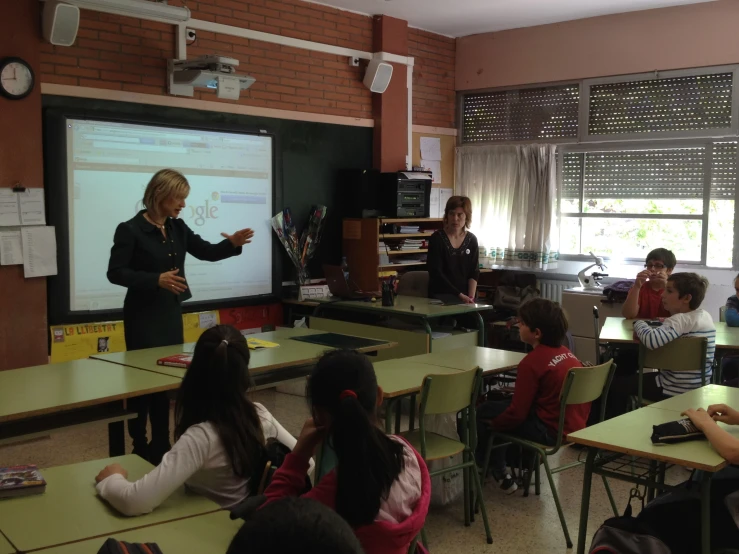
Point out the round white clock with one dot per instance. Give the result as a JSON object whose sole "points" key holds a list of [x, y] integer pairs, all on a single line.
{"points": [[16, 78]]}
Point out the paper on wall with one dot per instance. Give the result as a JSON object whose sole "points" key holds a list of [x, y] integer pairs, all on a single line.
{"points": [[39, 251], [9, 214], [206, 320], [31, 207], [431, 148], [11, 251], [444, 196], [434, 207], [435, 168]]}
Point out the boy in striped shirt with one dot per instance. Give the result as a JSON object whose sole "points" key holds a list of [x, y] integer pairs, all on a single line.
{"points": [[682, 298]]}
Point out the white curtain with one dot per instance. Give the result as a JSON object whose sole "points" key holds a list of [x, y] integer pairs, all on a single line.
{"points": [[513, 190]]}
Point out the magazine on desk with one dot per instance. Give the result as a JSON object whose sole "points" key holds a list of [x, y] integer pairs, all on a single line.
{"points": [[20, 481]]}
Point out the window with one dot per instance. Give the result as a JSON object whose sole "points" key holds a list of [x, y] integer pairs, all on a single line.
{"points": [[625, 202]]}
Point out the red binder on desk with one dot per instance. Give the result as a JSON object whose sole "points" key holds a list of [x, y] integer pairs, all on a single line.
{"points": [[178, 360]]}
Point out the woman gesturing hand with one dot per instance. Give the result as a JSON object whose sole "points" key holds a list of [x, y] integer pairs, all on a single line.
{"points": [[239, 238], [172, 282]]}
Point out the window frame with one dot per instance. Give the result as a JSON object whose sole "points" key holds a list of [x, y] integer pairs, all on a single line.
{"points": [[583, 124], [705, 142]]}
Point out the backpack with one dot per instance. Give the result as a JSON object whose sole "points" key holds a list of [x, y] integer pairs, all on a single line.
{"points": [[112, 546], [627, 535]]}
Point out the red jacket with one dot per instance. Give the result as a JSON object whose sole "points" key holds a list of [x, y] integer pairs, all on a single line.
{"points": [[538, 384], [380, 537], [650, 303]]}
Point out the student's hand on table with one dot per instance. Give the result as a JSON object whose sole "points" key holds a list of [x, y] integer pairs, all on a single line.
{"points": [[724, 413], [700, 418], [310, 437], [466, 299], [111, 470], [642, 277], [172, 282], [239, 238]]}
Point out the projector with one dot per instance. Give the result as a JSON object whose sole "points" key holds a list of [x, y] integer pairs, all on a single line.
{"points": [[214, 72]]}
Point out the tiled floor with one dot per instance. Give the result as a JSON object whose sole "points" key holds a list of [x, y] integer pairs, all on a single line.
{"points": [[523, 525]]}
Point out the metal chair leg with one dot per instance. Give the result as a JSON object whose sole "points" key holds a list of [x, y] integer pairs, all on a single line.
{"points": [[537, 475], [478, 486], [610, 496], [556, 501]]}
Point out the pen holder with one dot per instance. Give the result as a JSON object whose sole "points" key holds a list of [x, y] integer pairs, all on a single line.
{"points": [[388, 296]]}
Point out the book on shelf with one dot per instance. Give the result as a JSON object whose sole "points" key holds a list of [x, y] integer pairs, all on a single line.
{"points": [[21, 481]]}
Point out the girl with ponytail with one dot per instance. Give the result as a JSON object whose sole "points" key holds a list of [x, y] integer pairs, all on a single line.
{"points": [[380, 485], [220, 433]]}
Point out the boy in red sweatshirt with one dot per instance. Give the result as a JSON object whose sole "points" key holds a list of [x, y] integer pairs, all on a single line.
{"points": [[533, 412]]}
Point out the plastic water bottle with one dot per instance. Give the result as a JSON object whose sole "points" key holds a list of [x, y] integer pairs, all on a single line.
{"points": [[345, 268]]}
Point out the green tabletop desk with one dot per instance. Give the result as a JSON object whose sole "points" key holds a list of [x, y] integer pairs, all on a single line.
{"points": [[71, 511], [630, 434], [700, 398], [35, 400], [490, 360], [5, 546], [620, 330], [195, 535], [418, 309], [289, 360]]}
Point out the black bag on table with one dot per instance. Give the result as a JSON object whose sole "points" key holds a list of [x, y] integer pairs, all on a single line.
{"points": [[112, 546]]}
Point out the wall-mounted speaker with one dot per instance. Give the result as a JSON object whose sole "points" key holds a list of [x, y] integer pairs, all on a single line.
{"points": [[60, 22], [377, 77]]}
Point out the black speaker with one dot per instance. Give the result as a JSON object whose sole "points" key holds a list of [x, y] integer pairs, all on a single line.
{"points": [[358, 192]]}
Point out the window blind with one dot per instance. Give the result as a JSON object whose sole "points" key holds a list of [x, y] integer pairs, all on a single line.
{"points": [[691, 103], [525, 114], [723, 171]]}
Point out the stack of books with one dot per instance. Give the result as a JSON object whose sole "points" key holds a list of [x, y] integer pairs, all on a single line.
{"points": [[412, 244], [409, 229]]}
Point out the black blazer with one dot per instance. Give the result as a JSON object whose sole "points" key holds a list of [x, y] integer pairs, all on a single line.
{"points": [[140, 253]]}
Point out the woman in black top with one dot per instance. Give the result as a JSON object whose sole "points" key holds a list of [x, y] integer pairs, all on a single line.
{"points": [[453, 256], [148, 258]]}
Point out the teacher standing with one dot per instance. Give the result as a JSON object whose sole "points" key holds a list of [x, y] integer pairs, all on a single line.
{"points": [[453, 257], [148, 258]]}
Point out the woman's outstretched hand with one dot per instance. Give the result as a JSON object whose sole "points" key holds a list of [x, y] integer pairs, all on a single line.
{"points": [[239, 238]]}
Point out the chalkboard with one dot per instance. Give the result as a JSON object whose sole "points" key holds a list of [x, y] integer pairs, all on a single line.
{"points": [[308, 157]]}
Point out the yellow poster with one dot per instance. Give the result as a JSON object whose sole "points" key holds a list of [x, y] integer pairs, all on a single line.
{"points": [[74, 342], [195, 324]]}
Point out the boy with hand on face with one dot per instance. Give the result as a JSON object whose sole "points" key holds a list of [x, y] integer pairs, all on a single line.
{"points": [[644, 300]]}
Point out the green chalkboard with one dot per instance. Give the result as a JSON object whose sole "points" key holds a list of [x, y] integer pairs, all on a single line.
{"points": [[308, 157]]}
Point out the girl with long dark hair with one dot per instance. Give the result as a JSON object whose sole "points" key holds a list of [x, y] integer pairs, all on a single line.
{"points": [[380, 485], [220, 433]]}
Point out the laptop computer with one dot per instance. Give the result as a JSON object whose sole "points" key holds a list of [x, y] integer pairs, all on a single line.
{"points": [[338, 285]]}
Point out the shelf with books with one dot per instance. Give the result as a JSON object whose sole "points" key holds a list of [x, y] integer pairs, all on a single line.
{"points": [[398, 252], [402, 264]]}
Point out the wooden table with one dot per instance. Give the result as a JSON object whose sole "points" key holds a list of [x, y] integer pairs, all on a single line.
{"points": [[630, 434], [195, 535], [620, 330], [289, 360], [490, 360], [35, 400], [700, 398], [414, 308], [70, 509]]}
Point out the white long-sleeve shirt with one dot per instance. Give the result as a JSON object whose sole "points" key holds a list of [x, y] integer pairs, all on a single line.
{"points": [[197, 460], [697, 323]]}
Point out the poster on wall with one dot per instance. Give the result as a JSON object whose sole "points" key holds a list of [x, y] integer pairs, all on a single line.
{"points": [[75, 342]]}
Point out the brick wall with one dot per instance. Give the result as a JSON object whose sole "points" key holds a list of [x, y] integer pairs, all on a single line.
{"points": [[433, 78], [130, 54]]}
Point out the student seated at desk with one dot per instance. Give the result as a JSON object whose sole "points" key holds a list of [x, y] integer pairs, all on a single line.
{"points": [[682, 298], [731, 315], [644, 300], [220, 433], [381, 485], [533, 412]]}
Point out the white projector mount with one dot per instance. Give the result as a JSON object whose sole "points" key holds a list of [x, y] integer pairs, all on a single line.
{"points": [[214, 72]]}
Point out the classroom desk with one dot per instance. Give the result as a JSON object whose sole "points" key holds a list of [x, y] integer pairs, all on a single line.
{"points": [[268, 365], [620, 330], [5, 546], [70, 509], [414, 308], [630, 434], [195, 535], [490, 360], [700, 398], [35, 400]]}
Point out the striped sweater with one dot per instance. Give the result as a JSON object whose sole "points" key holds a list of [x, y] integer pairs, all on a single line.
{"points": [[697, 323]]}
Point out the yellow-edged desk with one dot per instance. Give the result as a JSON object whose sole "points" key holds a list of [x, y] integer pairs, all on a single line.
{"points": [[39, 399], [629, 434], [700, 398], [420, 311], [290, 360], [196, 535], [620, 330], [70, 510]]}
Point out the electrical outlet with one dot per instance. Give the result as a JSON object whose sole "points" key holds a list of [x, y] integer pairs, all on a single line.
{"points": [[354, 61]]}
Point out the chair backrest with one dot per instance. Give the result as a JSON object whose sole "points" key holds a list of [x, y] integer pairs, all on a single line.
{"points": [[683, 354], [722, 313], [596, 327], [449, 392], [414, 283]]}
